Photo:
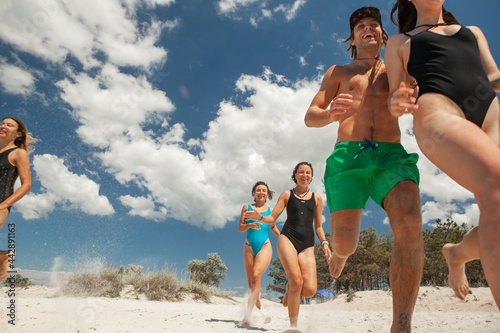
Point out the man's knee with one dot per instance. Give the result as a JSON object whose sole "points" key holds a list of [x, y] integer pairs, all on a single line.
{"points": [[344, 247], [407, 227]]}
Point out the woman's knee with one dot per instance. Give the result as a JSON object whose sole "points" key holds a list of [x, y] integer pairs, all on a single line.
{"points": [[308, 291], [256, 276], [295, 283]]}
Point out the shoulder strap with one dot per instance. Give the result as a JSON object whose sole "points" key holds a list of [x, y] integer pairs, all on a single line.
{"points": [[429, 27], [9, 150]]}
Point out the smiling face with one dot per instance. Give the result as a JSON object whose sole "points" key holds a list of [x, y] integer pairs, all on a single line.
{"points": [[367, 32], [9, 130], [303, 175], [261, 193]]}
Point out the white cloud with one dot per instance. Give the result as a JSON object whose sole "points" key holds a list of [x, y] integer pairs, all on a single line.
{"points": [[302, 61], [470, 215], [227, 7], [153, 3], [36, 205], [54, 29], [142, 206], [266, 13], [132, 48], [292, 10], [460, 213], [242, 145], [62, 187], [112, 104], [433, 210], [259, 11], [16, 80]]}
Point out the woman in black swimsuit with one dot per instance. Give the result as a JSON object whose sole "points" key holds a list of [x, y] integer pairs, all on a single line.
{"points": [[14, 162], [455, 119], [296, 241]]}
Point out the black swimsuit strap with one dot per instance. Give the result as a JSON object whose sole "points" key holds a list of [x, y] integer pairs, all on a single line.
{"points": [[430, 26]]}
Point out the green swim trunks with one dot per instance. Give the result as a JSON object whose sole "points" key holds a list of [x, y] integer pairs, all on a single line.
{"points": [[357, 170]]}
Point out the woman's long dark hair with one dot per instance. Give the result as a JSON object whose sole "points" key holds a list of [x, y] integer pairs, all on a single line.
{"points": [[407, 16]]}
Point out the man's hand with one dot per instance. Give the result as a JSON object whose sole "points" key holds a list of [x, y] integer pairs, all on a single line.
{"points": [[339, 105]]}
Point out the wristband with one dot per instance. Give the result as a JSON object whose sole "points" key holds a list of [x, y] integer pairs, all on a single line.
{"points": [[323, 242]]}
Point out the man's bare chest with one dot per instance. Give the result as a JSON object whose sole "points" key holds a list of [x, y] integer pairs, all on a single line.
{"points": [[374, 85]]}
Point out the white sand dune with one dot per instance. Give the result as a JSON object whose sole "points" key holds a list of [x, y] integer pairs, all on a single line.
{"points": [[39, 309]]}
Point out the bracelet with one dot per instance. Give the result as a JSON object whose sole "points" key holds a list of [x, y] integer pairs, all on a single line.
{"points": [[325, 241], [261, 217]]}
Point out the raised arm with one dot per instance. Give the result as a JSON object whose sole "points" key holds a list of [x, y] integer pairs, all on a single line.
{"points": [[402, 96], [275, 229], [245, 226], [318, 115], [275, 213], [489, 64]]}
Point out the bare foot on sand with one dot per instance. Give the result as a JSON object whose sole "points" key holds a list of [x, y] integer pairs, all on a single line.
{"points": [[285, 297], [457, 279], [336, 265], [4, 265]]}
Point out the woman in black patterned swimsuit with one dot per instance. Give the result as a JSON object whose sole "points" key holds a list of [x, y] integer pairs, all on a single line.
{"points": [[296, 241], [14, 162]]}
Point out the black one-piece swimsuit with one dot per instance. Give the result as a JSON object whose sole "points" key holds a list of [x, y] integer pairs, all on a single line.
{"points": [[298, 226]]}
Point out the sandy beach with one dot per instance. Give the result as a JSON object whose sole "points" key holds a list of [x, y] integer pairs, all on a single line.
{"points": [[42, 309]]}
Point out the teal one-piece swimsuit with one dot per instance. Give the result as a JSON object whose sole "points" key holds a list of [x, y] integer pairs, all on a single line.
{"points": [[257, 238]]}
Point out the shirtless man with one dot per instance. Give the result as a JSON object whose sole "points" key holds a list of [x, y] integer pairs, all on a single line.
{"points": [[369, 161]]}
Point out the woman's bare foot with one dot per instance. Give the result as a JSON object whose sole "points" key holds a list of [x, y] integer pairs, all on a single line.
{"points": [[457, 279], [245, 322], [285, 297], [257, 303]]}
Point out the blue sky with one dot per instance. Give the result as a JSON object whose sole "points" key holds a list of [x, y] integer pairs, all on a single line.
{"points": [[155, 118]]}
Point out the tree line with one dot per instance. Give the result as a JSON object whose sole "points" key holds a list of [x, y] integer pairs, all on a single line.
{"points": [[368, 267]]}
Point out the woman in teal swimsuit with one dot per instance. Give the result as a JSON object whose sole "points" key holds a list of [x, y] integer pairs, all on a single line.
{"points": [[257, 251]]}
